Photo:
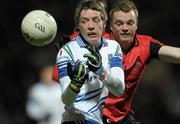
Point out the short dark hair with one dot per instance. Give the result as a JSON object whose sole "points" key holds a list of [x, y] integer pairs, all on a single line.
{"points": [[90, 4]]}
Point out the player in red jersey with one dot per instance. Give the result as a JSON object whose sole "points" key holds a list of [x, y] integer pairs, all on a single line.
{"points": [[138, 50]]}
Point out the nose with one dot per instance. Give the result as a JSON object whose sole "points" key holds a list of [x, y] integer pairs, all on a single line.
{"points": [[125, 28], [91, 26]]}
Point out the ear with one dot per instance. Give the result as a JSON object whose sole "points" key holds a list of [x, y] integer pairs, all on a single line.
{"points": [[77, 28], [104, 25], [137, 25], [110, 27]]}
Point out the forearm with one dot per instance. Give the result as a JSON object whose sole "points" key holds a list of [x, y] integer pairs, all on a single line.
{"points": [[68, 95], [169, 54], [115, 84]]}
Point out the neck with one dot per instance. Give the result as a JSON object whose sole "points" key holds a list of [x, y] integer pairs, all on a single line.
{"points": [[86, 42], [126, 47]]}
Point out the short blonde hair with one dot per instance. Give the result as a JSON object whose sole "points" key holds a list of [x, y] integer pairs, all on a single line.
{"points": [[125, 6]]}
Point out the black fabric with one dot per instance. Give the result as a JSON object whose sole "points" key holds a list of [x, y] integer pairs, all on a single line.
{"points": [[73, 122], [129, 119], [154, 49]]}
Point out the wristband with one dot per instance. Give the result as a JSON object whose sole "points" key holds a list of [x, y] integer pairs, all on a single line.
{"points": [[74, 88], [100, 70]]}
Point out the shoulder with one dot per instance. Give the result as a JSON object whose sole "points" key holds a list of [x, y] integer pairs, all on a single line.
{"points": [[111, 42], [73, 44], [147, 39], [112, 46], [143, 37]]}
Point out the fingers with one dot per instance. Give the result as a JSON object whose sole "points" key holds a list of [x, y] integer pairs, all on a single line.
{"points": [[90, 56], [80, 71], [69, 69], [92, 49]]}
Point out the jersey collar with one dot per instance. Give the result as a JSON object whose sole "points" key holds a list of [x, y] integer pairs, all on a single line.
{"points": [[83, 42]]}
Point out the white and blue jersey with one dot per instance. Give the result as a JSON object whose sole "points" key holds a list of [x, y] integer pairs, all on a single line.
{"points": [[91, 99]]}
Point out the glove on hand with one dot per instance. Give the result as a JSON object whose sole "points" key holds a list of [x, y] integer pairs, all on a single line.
{"points": [[94, 60], [78, 75]]}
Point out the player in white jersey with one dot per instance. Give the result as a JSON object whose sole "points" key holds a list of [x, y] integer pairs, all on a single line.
{"points": [[44, 104], [89, 67]]}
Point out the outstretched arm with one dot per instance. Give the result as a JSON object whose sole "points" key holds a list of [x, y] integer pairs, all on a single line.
{"points": [[114, 83], [169, 54], [114, 80]]}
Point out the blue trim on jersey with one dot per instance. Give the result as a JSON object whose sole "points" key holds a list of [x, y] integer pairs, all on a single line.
{"points": [[63, 72], [62, 67], [98, 105], [116, 62], [105, 43], [80, 41], [100, 70], [89, 95], [62, 63], [90, 122]]}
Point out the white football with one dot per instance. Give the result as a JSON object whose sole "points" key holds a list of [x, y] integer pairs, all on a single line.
{"points": [[39, 28]]}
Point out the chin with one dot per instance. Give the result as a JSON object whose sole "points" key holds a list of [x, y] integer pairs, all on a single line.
{"points": [[93, 41], [125, 41]]}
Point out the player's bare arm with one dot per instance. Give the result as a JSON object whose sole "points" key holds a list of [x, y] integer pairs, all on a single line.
{"points": [[169, 54]]}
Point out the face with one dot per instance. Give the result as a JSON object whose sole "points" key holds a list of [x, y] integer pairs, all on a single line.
{"points": [[124, 26], [91, 26], [46, 76]]}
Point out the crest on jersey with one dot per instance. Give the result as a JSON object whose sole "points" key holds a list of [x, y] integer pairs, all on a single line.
{"points": [[60, 53]]}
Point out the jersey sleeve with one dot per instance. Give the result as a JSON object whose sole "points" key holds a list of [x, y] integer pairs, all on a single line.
{"points": [[116, 60], [64, 56], [155, 45], [114, 81]]}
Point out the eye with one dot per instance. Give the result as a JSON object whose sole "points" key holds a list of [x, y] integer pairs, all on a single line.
{"points": [[96, 19], [119, 23], [130, 23], [84, 20]]}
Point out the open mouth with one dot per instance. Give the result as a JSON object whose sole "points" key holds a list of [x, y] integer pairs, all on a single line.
{"points": [[92, 34], [125, 34]]}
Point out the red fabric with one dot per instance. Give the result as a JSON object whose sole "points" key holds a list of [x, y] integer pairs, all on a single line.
{"points": [[55, 73], [74, 35], [134, 62]]}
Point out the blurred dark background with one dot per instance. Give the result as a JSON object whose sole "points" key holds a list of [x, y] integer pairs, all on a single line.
{"points": [[158, 98]]}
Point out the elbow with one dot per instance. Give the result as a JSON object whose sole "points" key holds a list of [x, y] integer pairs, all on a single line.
{"points": [[121, 90], [118, 86]]}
